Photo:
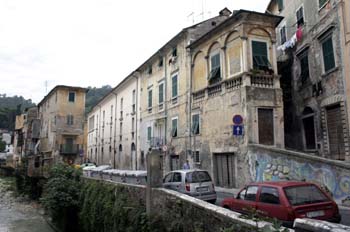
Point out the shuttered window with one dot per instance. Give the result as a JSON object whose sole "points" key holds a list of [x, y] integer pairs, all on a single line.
{"points": [[304, 64], [260, 58], [150, 98], [300, 16], [174, 87], [283, 35], [328, 54], [321, 3], [161, 93], [174, 127], [195, 124], [280, 5], [149, 133], [215, 71]]}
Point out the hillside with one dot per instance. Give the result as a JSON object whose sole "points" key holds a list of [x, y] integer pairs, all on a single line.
{"points": [[9, 107], [94, 95]]}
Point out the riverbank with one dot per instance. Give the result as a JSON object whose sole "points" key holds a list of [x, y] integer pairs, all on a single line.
{"points": [[17, 213]]}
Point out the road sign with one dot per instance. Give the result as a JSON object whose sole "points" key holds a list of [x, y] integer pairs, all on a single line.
{"points": [[237, 119], [165, 148], [238, 130]]}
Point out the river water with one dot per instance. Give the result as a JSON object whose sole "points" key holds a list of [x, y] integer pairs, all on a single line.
{"points": [[18, 214]]}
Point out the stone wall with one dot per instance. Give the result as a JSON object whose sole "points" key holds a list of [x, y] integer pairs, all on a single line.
{"points": [[266, 163]]}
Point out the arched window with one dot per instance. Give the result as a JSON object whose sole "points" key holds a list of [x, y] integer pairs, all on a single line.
{"points": [[133, 147], [120, 147]]}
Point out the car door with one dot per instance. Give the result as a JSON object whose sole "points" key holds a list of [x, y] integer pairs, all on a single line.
{"points": [[167, 181], [270, 203], [176, 181], [246, 199]]}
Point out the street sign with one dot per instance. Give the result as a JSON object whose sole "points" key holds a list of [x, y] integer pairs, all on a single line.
{"points": [[238, 130], [237, 119], [165, 148]]}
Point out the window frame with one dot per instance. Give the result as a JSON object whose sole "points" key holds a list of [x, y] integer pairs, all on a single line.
{"points": [[173, 133], [149, 133], [149, 99], [323, 40], [270, 203], [302, 55], [198, 126], [215, 73], [283, 27], [323, 5], [173, 96], [69, 96], [303, 14], [267, 52], [161, 103], [280, 5]]}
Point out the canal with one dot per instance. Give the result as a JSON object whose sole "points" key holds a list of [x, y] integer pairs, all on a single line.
{"points": [[18, 214]]}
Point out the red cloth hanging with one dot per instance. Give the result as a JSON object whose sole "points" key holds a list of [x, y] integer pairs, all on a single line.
{"points": [[299, 33]]}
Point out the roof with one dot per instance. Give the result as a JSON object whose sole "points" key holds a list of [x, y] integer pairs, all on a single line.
{"points": [[228, 21], [282, 183], [61, 87]]}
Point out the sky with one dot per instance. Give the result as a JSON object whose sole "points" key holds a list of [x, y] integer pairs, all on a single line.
{"points": [[44, 43]]}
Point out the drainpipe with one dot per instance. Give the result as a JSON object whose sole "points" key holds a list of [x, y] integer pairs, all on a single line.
{"points": [[136, 118], [189, 106], [115, 127], [99, 135], [166, 112]]}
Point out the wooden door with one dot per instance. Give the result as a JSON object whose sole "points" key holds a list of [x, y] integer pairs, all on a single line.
{"points": [[224, 170], [265, 122], [335, 133]]}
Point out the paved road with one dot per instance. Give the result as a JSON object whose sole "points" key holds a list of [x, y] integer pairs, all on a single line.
{"points": [[345, 212]]}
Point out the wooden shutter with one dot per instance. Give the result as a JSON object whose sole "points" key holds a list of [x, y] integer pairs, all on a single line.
{"points": [[335, 133], [266, 130], [328, 55]]}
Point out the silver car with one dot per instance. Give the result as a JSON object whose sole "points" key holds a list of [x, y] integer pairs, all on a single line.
{"points": [[194, 182]]}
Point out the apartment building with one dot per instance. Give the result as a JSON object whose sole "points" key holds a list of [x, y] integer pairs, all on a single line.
{"points": [[236, 99], [313, 59], [61, 115]]}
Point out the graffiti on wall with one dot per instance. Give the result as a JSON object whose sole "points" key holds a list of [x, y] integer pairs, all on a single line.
{"points": [[264, 167]]}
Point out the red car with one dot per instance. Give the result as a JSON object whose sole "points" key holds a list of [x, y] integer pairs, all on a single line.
{"points": [[286, 201]]}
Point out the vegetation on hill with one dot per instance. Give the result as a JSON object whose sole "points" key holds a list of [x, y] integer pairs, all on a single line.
{"points": [[94, 95], [9, 107]]}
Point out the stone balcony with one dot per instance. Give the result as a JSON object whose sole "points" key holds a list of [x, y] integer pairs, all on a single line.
{"points": [[258, 80]]}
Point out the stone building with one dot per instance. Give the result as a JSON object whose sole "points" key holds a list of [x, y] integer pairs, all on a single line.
{"points": [[164, 95], [236, 97], [61, 115], [113, 127], [314, 65]]}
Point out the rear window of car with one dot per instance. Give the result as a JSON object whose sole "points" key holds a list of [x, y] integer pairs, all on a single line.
{"points": [[197, 177], [301, 195]]}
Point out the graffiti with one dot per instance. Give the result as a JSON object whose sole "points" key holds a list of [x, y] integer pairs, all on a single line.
{"points": [[267, 167]]}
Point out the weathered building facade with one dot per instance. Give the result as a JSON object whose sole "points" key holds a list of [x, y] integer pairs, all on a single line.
{"points": [[113, 127], [61, 115], [314, 65], [236, 97], [164, 95]]}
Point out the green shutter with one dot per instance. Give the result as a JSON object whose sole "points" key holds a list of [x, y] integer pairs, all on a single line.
{"points": [[149, 98], [280, 4], [328, 55], [195, 124], [321, 3], [149, 133], [260, 59], [161, 93], [174, 86], [174, 128]]}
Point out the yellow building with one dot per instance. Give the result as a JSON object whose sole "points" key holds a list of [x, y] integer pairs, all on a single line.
{"points": [[61, 114]]}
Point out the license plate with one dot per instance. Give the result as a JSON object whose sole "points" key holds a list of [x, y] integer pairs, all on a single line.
{"points": [[202, 189], [315, 214]]}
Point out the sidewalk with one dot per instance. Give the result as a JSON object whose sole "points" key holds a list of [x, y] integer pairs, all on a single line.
{"points": [[227, 190]]}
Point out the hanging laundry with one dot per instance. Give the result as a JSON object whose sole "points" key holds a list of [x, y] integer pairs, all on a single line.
{"points": [[292, 41]]}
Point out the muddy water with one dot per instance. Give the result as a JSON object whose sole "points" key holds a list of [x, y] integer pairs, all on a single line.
{"points": [[17, 214]]}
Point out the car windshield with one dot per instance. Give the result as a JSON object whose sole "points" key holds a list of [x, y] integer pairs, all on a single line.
{"points": [[301, 195], [197, 177]]}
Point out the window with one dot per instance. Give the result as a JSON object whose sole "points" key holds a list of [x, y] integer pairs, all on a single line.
{"points": [[195, 124], [328, 54], [120, 148], [70, 119], [174, 127], [215, 70], [322, 3], [150, 100], [301, 195], [283, 34], [300, 16], [174, 87], [149, 133], [121, 108], [160, 62], [251, 193], [132, 124], [161, 94], [197, 158], [167, 178], [260, 57], [177, 177], [304, 65], [134, 101], [121, 131], [280, 5], [149, 70], [174, 52], [269, 195], [71, 97]]}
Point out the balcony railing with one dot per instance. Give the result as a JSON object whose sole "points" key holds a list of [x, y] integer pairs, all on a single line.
{"points": [[69, 149], [157, 142], [259, 80]]}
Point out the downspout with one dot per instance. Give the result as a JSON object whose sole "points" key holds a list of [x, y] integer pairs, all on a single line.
{"points": [[189, 105], [115, 128], [99, 135], [136, 119], [166, 156]]}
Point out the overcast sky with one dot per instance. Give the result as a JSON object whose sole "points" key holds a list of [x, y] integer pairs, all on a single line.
{"points": [[90, 42]]}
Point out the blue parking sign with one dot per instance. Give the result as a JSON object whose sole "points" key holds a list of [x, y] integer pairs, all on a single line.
{"points": [[238, 130]]}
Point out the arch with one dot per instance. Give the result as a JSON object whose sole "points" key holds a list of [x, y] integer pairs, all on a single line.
{"points": [[259, 32], [231, 36], [120, 147], [332, 100], [199, 77], [213, 47], [308, 110], [133, 147]]}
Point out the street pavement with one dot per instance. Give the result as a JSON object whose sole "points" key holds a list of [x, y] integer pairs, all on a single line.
{"points": [[224, 193]]}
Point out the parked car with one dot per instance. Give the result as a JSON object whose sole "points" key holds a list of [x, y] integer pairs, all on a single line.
{"points": [[83, 165], [286, 201], [193, 182]]}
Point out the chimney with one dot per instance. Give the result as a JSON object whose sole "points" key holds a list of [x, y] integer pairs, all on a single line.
{"points": [[225, 12]]}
